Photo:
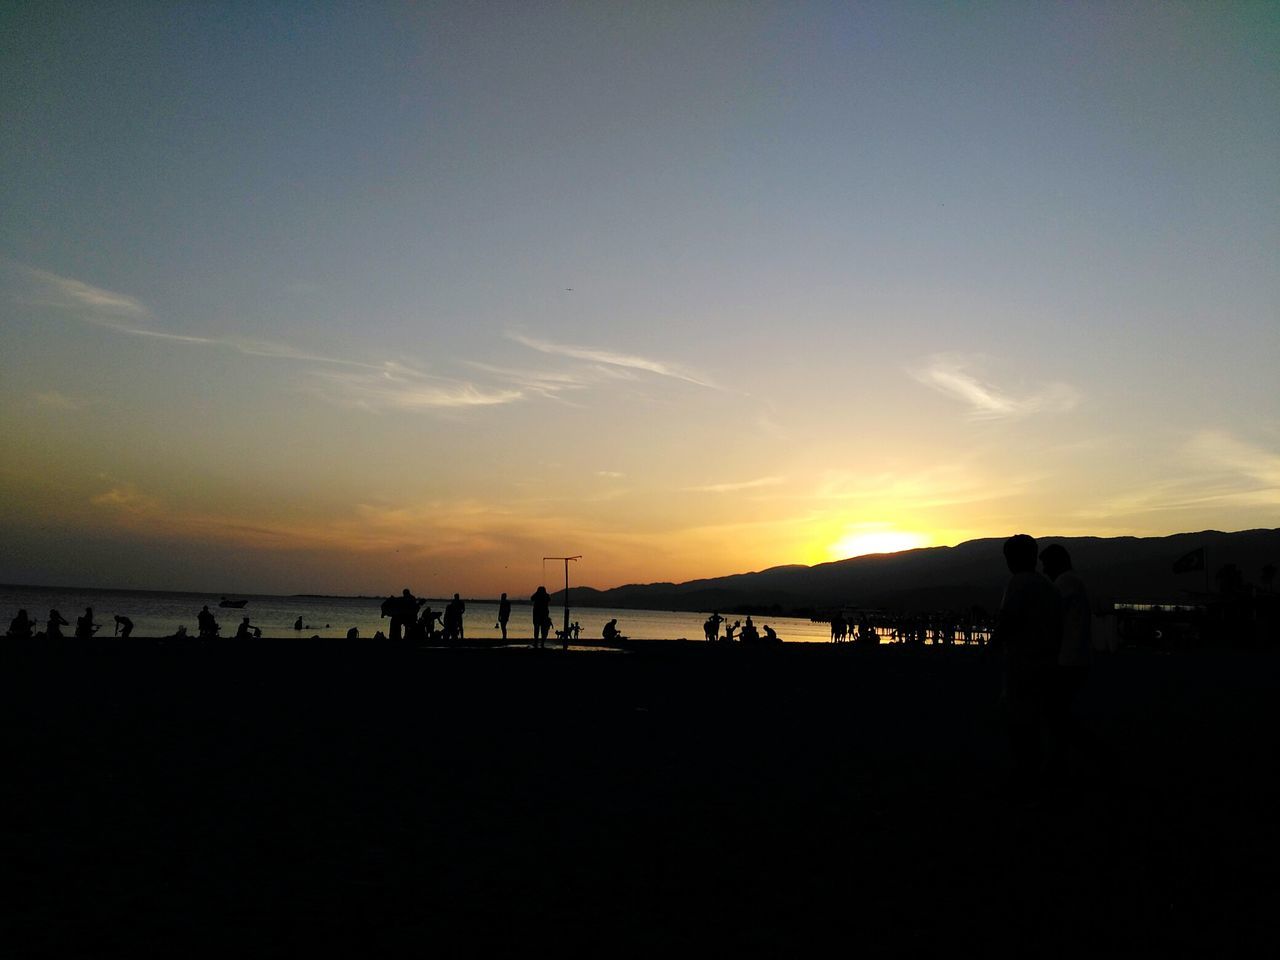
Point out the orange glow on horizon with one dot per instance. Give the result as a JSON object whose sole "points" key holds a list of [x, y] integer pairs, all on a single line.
{"points": [[860, 542]]}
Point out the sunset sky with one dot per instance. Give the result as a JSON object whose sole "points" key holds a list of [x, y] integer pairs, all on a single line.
{"points": [[343, 298]]}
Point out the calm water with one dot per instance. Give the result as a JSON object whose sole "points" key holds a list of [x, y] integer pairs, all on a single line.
{"points": [[160, 615]]}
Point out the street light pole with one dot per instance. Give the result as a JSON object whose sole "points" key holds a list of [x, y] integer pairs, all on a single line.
{"points": [[565, 636]]}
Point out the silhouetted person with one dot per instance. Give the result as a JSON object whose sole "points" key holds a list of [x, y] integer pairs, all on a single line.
{"points": [[244, 631], [770, 635], [865, 633], [1076, 652], [124, 626], [541, 616], [85, 627], [749, 632], [1029, 634], [729, 631], [206, 623], [54, 625], [504, 614], [402, 610], [453, 612], [21, 627], [610, 631], [713, 626], [353, 634], [427, 623], [297, 624]]}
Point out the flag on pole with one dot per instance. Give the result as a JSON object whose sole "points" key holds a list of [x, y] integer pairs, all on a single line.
{"points": [[1190, 562]]}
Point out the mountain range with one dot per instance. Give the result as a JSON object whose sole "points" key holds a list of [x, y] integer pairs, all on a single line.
{"points": [[973, 573]]}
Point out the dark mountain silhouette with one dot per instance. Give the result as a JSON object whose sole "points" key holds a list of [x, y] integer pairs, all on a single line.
{"points": [[1138, 569]]}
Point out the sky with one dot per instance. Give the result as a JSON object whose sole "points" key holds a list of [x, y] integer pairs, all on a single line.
{"points": [[339, 298]]}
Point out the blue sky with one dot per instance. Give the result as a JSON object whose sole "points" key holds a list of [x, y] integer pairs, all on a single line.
{"points": [[332, 293]]}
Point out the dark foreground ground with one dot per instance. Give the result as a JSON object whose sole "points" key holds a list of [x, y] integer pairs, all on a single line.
{"points": [[279, 798]]}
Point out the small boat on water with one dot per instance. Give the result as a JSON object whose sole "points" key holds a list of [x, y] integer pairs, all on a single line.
{"points": [[233, 604]]}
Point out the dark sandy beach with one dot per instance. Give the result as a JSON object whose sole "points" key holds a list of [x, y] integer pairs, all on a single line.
{"points": [[267, 799]]}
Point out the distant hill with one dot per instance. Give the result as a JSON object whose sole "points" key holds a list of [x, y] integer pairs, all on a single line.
{"points": [[1136, 569]]}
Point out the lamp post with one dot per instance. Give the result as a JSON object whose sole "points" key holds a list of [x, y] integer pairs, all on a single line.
{"points": [[565, 636]]}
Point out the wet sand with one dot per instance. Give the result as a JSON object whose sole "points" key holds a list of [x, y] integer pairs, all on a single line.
{"points": [[270, 798]]}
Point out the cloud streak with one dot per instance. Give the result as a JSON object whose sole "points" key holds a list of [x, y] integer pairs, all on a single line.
{"points": [[740, 485], [609, 359], [66, 292], [952, 376], [386, 385]]}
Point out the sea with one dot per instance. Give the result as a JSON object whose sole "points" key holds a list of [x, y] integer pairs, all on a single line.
{"points": [[160, 614]]}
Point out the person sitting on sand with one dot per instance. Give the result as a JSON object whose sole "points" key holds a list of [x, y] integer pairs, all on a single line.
{"points": [[297, 624], [124, 626], [749, 632], [245, 631], [770, 635], [353, 634], [730, 630], [610, 631], [21, 626], [85, 627], [206, 623], [54, 625]]}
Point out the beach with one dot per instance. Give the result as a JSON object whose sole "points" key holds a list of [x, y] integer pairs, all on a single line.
{"points": [[380, 800]]}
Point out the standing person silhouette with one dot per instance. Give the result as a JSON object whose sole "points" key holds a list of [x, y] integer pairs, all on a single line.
{"points": [[53, 627], [85, 627], [453, 618], [206, 622], [713, 633], [1029, 634], [1076, 652], [541, 616], [504, 614], [404, 612], [124, 626], [21, 626]]}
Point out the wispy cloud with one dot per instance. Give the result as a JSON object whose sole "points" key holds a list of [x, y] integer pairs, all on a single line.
{"points": [[66, 292], [953, 376], [610, 474], [739, 485], [128, 498], [394, 386], [1219, 449], [551, 385], [386, 385], [1218, 472], [610, 359]]}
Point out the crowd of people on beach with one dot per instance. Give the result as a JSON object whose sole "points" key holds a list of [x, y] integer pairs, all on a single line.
{"points": [[939, 628], [23, 627], [738, 632]]}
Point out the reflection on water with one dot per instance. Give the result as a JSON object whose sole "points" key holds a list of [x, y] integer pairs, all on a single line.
{"points": [[160, 615]]}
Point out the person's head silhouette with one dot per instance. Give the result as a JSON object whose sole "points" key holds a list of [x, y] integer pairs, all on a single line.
{"points": [[1055, 560], [1020, 553]]}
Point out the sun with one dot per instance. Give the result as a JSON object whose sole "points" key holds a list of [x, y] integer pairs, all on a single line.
{"points": [[859, 542]]}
